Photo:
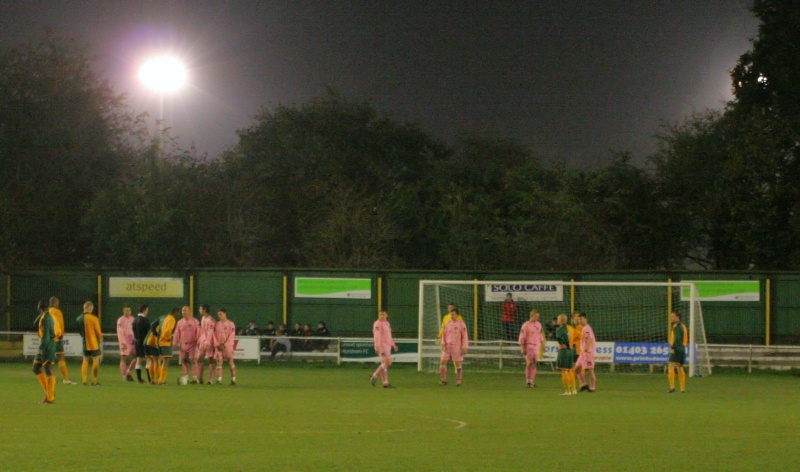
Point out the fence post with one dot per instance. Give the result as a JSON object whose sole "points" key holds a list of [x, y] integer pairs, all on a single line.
{"points": [[750, 361], [501, 354], [338, 351]]}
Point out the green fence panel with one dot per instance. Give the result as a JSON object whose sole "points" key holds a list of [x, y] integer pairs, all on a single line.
{"points": [[72, 287], [343, 316], [246, 295], [785, 316]]}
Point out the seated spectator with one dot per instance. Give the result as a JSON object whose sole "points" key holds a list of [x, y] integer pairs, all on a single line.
{"points": [[270, 329], [296, 334], [307, 344], [268, 344], [252, 329], [282, 343], [321, 332]]}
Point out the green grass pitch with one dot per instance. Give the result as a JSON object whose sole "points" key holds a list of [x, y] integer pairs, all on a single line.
{"points": [[308, 417]]}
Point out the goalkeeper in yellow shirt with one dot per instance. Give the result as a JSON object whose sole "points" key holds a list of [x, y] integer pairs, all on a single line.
{"points": [[89, 329], [451, 312]]}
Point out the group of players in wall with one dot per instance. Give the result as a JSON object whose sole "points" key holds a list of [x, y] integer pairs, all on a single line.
{"points": [[150, 345]]}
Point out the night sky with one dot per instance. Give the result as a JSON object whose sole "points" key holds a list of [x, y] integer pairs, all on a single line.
{"points": [[574, 80]]}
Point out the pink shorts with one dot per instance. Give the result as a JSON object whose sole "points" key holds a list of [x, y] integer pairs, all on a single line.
{"points": [[585, 361], [532, 352], [452, 353], [205, 352], [224, 353], [385, 350], [189, 351], [129, 350]]}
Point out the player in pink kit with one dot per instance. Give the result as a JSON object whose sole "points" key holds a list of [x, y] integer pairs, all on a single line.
{"points": [[225, 335], [206, 343], [382, 335], [455, 343], [531, 341], [126, 343], [586, 359], [185, 338]]}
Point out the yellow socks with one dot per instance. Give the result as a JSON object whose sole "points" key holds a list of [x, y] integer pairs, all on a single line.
{"points": [[671, 376], [164, 374], [95, 371], [84, 371], [51, 388], [682, 378], [62, 366], [42, 381]]}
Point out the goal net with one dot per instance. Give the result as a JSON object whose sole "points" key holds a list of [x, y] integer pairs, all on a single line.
{"points": [[630, 321]]}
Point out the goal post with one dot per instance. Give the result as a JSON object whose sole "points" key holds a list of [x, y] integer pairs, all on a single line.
{"points": [[630, 320]]}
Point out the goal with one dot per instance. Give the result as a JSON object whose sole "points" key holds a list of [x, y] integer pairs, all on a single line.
{"points": [[630, 321]]}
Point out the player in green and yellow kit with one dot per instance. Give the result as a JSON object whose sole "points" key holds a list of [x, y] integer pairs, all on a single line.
{"points": [[678, 339], [89, 329], [566, 355], [166, 327], [46, 357], [58, 320]]}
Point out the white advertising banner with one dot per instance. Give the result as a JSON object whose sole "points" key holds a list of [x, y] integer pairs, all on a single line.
{"points": [[73, 345], [546, 291], [247, 348], [603, 353]]}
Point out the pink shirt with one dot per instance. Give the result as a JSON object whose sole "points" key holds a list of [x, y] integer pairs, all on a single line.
{"points": [[125, 330], [455, 334], [206, 335], [186, 332], [382, 334], [531, 334], [224, 333], [587, 340]]}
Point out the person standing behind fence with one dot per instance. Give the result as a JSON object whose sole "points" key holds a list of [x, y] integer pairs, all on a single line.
{"points": [[509, 317], [89, 329], [126, 343], [141, 326], [58, 319], [185, 340], [384, 343], [531, 340], [46, 357]]}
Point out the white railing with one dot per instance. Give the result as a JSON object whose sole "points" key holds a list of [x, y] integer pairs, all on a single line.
{"points": [[499, 352]]}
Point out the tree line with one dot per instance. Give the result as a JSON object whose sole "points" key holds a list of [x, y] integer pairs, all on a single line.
{"points": [[332, 183]]}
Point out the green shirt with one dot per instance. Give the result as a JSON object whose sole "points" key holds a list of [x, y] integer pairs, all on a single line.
{"points": [[562, 335], [47, 329]]}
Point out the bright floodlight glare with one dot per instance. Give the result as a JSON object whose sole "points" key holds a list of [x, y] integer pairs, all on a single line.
{"points": [[163, 74]]}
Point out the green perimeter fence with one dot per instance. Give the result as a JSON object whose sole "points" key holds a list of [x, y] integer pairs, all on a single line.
{"points": [[288, 296]]}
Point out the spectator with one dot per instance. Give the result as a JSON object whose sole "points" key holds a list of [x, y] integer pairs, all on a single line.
{"points": [[296, 334], [270, 329], [307, 344], [509, 317], [282, 343], [268, 344], [322, 332], [551, 328], [252, 329]]}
